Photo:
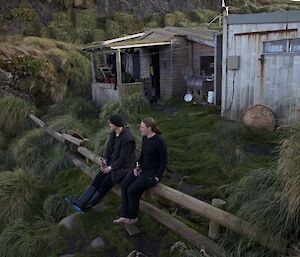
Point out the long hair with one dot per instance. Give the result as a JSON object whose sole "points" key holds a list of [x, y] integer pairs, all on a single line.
{"points": [[150, 122]]}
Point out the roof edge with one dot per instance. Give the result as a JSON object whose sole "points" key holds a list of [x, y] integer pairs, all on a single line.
{"points": [[256, 18]]}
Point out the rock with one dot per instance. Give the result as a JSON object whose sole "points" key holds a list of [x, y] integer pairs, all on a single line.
{"points": [[97, 243], [135, 253], [67, 222], [5, 77]]}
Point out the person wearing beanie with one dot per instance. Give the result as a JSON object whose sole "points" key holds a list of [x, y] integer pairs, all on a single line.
{"points": [[116, 120], [118, 160]]}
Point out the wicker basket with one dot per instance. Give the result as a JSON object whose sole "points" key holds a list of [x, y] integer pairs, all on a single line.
{"points": [[259, 116]]}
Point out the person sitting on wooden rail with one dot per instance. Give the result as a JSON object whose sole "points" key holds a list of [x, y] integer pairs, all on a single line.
{"points": [[147, 173], [118, 158]]}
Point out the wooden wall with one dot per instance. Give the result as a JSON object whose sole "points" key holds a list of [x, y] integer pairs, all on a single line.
{"points": [[180, 63], [254, 83], [174, 61]]}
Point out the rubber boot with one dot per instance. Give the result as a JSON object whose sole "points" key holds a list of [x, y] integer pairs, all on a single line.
{"points": [[93, 201], [84, 198]]}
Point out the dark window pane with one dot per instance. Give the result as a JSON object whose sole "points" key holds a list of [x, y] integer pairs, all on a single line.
{"points": [[278, 46], [206, 65], [295, 45]]}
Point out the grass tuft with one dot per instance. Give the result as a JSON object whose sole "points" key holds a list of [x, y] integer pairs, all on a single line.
{"points": [[55, 208], [130, 107], [18, 190], [289, 173], [24, 240], [13, 114]]}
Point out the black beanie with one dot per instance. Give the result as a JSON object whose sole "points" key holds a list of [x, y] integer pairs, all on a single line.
{"points": [[116, 120]]}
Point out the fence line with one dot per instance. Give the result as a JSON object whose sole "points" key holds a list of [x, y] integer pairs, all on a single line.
{"points": [[220, 216]]}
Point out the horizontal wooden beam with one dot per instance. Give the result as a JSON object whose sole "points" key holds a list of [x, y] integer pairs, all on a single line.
{"points": [[170, 222], [50, 131], [73, 140], [224, 218]]}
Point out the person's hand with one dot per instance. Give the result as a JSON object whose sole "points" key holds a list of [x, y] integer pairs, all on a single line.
{"points": [[107, 169], [137, 171]]}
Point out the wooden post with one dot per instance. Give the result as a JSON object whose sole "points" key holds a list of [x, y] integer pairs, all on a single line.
{"points": [[214, 227], [118, 67]]}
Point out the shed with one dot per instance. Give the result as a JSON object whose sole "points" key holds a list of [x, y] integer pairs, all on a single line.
{"points": [[159, 63], [261, 64]]}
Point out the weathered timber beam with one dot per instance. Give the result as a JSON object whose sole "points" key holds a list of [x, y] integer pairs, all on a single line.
{"points": [[224, 218], [181, 229], [71, 139], [90, 155], [51, 132], [173, 224]]}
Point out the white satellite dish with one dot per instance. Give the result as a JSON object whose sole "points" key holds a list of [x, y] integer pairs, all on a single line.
{"points": [[188, 97]]}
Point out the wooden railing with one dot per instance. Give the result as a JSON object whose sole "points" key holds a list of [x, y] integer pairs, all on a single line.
{"points": [[204, 209]]}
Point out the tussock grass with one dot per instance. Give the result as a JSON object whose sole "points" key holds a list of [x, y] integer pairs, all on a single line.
{"points": [[99, 140], [13, 114], [288, 171], [27, 240], [228, 139], [18, 190], [66, 122], [3, 141], [29, 149], [79, 107], [46, 43], [55, 208], [130, 107], [58, 161]]}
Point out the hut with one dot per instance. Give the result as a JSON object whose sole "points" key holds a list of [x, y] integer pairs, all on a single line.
{"points": [[159, 63], [261, 64]]}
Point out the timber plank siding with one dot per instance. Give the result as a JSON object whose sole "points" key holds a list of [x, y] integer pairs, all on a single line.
{"points": [[272, 80]]}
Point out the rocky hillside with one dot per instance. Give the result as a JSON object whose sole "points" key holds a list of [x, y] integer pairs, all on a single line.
{"points": [[83, 21]]}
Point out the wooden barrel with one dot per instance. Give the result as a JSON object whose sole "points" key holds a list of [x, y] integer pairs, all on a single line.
{"points": [[259, 116]]}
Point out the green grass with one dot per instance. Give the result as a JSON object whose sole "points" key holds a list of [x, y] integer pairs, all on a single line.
{"points": [[28, 240], [18, 191], [205, 153], [13, 114]]}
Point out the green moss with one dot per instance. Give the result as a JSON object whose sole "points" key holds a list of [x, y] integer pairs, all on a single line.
{"points": [[203, 15], [24, 13], [61, 27], [175, 19], [85, 25]]}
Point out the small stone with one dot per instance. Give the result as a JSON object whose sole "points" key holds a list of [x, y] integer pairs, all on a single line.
{"points": [[67, 222], [98, 243]]}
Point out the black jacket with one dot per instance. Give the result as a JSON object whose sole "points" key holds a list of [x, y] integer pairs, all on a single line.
{"points": [[120, 154]]}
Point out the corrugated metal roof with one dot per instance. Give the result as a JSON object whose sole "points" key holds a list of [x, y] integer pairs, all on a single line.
{"points": [[256, 18], [159, 36]]}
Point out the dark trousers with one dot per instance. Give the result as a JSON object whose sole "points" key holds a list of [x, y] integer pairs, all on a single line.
{"points": [[102, 183], [132, 189]]}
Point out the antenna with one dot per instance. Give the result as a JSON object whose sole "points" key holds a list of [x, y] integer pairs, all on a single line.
{"points": [[224, 8]]}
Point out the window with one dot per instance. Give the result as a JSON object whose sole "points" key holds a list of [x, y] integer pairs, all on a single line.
{"points": [[278, 46], [295, 45], [206, 65], [291, 45]]}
